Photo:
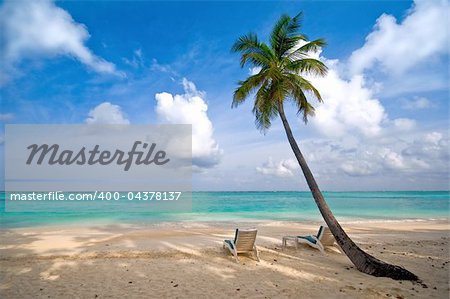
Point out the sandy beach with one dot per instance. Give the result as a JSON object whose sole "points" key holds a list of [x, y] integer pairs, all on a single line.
{"points": [[186, 260]]}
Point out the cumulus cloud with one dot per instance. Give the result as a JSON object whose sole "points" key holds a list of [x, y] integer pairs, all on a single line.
{"points": [[190, 108], [398, 47], [283, 168], [417, 153], [107, 113], [384, 147], [42, 29], [417, 103], [349, 106], [392, 159], [378, 160], [359, 167], [433, 146]]}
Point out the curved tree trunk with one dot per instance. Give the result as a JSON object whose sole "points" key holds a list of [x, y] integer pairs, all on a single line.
{"points": [[363, 261]]}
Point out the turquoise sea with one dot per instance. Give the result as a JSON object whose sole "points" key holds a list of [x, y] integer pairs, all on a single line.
{"points": [[255, 206]]}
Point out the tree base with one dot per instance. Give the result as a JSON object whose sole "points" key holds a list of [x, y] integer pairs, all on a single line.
{"points": [[378, 268]]}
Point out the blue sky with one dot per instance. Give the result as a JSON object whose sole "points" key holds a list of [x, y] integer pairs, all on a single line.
{"points": [[383, 126]]}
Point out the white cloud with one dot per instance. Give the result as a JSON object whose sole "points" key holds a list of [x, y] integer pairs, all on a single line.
{"points": [[136, 61], [350, 102], [42, 29], [107, 113], [432, 146], [164, 68], [417, 103], [283, 168], [404, 124], [190, 108], [414, 153], [433, 138], [254, 70], [398, 47], [6, 116], [392, 159], [359, 168], [349, 106]]}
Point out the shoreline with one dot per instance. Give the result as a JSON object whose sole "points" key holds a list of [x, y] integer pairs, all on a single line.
{"points": [[155, 222]]}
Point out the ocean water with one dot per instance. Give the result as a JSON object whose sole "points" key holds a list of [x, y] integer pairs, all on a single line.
{"points": [[256, 206]]}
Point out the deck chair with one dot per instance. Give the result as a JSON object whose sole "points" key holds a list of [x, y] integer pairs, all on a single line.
{"points": [[244, 242], [323, 239]]}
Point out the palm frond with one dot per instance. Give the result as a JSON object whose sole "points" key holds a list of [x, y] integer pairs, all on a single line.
{"points": [[301, 102], [278, 31], [306, 111], [308, 66], [309, 47], [282, 65], [304, 85], [262, 58], [246, 42], [285, 34], [246, 87], [264, 109], [253, 51]]}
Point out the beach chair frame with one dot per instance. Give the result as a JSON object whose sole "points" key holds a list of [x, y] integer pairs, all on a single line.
{"points": [[243, 242], [323, 238]]}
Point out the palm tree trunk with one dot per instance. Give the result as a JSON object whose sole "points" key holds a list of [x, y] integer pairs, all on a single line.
{"points": [[363, 261]]}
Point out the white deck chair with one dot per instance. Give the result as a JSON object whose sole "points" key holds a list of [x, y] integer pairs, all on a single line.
{"points": [[323, 238], [244, 242]]}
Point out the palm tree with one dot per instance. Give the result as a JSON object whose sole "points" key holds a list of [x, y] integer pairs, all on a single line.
{"points": [[281, 64]]}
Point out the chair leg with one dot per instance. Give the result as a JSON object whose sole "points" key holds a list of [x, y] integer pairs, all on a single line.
{"points": [[320, 247], [256, 253], [236, 256], [232, 250]]}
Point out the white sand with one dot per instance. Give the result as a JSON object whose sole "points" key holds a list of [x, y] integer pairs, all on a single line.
{"points": [[186, 260]]}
